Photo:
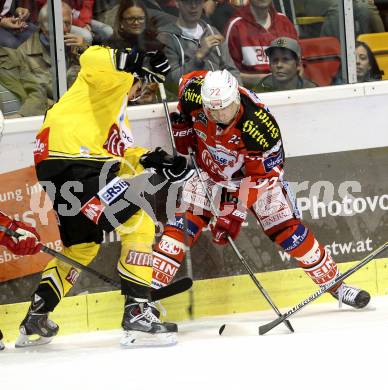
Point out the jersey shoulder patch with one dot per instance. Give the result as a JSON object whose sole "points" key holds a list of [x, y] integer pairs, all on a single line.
{"points": [[259, 129]]}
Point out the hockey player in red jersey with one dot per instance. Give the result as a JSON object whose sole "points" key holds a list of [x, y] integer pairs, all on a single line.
{"points": [[26, 244], [238, 147]]}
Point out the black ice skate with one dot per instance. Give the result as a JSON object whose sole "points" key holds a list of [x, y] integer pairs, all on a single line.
{"points": [[2, 346], [143, 328], [36, 324], [351, 296]]}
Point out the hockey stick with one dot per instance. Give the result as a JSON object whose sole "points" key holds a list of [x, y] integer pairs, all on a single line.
{"points": [[267, 327], [174, 288], [188, 262], [237, 252]]}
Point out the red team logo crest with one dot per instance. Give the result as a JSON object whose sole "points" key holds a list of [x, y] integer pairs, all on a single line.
{"points": [[93, 209], [211, 165]]}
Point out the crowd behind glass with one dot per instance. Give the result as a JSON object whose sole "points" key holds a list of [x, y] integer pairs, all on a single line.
{"points": [[269, 45]]}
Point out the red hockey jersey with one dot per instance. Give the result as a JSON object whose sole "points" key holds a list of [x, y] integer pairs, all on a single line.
{"points": [[247, 151], [247, 40]]}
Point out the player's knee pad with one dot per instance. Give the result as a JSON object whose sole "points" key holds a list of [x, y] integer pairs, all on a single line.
{"points": [[170, 251], [276, 207], [59, 277], [137, 233], [299, 242]]}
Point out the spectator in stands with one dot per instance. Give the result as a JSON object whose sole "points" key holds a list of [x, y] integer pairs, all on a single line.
{"points": [[37, 49], [14, 29], [105, 11], [367, 67], [133, 28], [366, 15], [219, 12], [191, 44], [161, 12], [285, 65], [83, 23], [15, 76], [250, 32]]}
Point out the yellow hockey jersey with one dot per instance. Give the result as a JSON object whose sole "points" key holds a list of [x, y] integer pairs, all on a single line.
{"points": [[90, 120]]}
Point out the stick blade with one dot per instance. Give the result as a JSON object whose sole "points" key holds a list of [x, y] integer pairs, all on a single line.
{"points": [[171, 289], [289, 326], [263, 329]]}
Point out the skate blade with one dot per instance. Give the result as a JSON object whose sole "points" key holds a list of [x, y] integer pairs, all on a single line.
{"points": [[2, 346], [135, 339], [24, 341]]}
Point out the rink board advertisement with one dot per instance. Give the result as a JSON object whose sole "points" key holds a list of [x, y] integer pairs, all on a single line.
{"points": [[342, 196], [21, 197]]}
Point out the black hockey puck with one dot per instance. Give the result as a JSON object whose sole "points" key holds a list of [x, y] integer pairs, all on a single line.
{"points": [[222, 327]]}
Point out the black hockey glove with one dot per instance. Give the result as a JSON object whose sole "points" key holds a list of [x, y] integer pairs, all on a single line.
{"points": [[157, 68], [175, 169], [129, 60]]}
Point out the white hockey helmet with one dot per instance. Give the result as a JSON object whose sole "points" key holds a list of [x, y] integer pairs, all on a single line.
{"points": [[219, 90]]}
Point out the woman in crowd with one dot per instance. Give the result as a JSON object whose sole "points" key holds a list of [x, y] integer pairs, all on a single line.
{"points": [[367, 68], [133, 28]]}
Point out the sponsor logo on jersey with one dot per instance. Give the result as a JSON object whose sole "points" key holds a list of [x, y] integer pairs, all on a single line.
{"points": [[273, 161], [296, 239], [192, 228], [41, 145], [223, 156], [164, 269], [276, 219], [252, 129], [191, 96], [139, 258], [93, 209], [202, 118], [312, 256], [265, 119], [271, 201], [113, 190], [182, 133], [272, 208], [170, 246], [325, 271], [212, 166], [72, 276], [274, 149], [201, 134]]}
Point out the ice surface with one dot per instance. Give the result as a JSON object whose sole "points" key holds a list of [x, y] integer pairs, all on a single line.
{"points": [[330, 349]]}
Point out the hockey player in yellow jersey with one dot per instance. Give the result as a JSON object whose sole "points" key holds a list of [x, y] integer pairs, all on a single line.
{"points": [[88, 164]]}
